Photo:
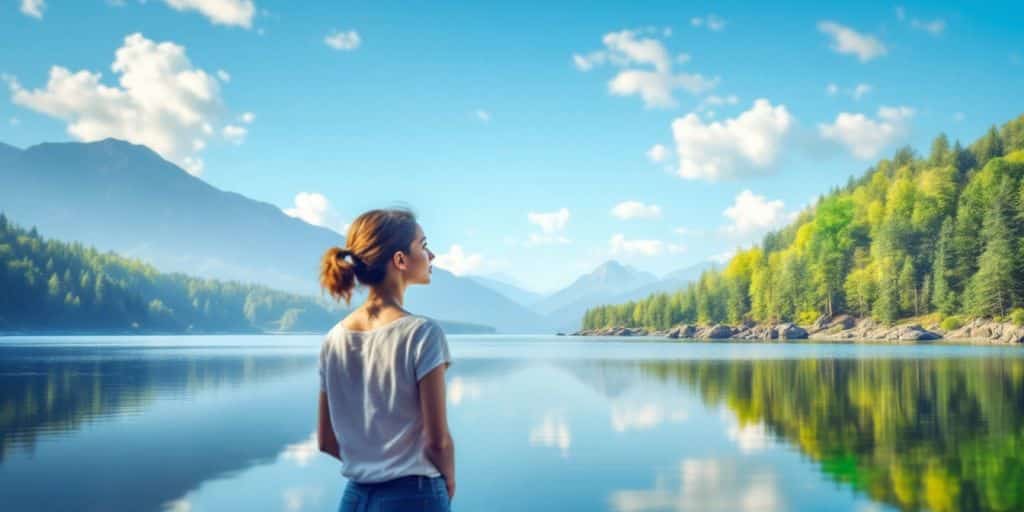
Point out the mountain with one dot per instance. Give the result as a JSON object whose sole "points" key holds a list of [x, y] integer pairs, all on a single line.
{"points": [[8, 152], [124, 197], [507, 288], [671, 282], [565, 308]]}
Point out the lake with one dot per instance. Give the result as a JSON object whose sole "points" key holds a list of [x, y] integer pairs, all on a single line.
{"points": [[212, 423]]}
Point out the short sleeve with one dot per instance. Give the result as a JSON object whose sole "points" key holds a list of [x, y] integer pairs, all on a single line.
{"points": [[431, 348]]}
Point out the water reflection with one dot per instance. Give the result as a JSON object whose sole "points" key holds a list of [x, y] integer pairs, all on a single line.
{"points": [[539, 426], [941, 434], [121, 429]]}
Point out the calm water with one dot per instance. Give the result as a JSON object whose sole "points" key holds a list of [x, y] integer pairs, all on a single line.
{"points": [[541, 423]]}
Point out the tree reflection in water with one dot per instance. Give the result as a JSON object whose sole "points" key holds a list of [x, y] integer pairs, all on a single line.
{"points": [[941, 434]]}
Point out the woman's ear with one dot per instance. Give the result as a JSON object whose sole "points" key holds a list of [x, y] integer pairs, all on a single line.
{"points": [[400, 260]]}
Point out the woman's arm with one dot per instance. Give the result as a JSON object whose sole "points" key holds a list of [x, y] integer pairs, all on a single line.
{"points": [[325, 431], [440, 449]]}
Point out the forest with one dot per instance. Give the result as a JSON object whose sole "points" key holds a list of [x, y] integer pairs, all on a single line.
{"points": [[939, 234], [54, 285]]}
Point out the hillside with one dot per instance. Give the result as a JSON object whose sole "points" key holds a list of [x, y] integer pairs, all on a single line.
{"points": [[915, 234], [47, 285], [122, 197]]}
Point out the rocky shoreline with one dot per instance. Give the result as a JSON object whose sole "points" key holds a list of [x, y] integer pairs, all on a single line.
{"points": [[839, 328]]}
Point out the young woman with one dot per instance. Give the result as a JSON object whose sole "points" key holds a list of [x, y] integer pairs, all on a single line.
{"points": [[382, 369]]}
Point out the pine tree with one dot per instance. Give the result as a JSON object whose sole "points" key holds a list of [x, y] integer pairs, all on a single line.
{"points": [[943, 297], [988, 147], [940, 155], [907, 287], [993, 289]]}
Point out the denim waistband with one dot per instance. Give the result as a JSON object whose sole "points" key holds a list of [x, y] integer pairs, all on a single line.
{"points": [[405, 482]]}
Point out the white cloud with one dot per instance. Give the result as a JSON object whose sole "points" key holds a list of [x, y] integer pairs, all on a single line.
{"points": [[901, 13], [553, 430], [676, 248], [658, 153], [711, 21], [299, 498], [460, 390], [33, 8], [247, 117], [753, 214], [551, 222], [683, 58], [860, 90], [315, 209], [482, 115], [162, 101], [301, 453], [641, 417], [458, 261], [848, 41], [624, 247], [655, 86], [706, 485], [344, 41], [959, 116], [717, 101], [627, 210], [856, 92], [865, 137], [734, 147], [751, 438], [221, 12], [235, 134], [934, 27], [589, 61], [552, 226], [224, 76], [178, 505], [14, 121]]}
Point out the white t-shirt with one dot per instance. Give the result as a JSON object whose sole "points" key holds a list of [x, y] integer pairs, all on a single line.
{"points": [[371, 379]]}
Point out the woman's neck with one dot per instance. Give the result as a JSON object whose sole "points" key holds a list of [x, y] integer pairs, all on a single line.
{"points": [[388, 293]]}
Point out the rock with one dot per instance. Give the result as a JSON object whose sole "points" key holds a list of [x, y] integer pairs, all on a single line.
{"points": [[989, 330], [682, 331], [790, 332], [716, 332], [912, 333]]}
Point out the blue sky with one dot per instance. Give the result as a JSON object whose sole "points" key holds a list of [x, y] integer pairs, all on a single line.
{"points": [[520, 132]]}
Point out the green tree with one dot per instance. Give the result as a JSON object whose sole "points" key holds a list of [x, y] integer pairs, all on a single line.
{"points": [[993, 289], [943, 297]]}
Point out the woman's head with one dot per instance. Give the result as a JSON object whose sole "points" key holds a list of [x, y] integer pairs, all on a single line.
{"points": [[379, 244]]}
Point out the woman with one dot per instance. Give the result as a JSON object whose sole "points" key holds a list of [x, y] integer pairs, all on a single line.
{"points": [[382, 389]]}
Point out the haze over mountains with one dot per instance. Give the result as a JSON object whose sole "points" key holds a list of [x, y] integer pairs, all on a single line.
{"points": [[124, 197], [611, 282]]}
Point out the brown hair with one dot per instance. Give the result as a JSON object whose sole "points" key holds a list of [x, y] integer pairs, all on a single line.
{"points": [[372, 239]]}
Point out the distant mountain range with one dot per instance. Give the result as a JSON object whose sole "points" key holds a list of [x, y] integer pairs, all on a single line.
{"points": [[609, 283], [123, 197]]}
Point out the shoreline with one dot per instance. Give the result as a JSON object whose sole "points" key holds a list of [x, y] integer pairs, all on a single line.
{"points": [[840, 329]]}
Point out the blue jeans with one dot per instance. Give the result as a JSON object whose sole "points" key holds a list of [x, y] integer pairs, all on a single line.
{"points": [[406, 494]]}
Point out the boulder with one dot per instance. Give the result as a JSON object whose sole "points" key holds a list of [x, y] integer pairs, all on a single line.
{"points": [[682, 331], [716, 332], [790, 331]]}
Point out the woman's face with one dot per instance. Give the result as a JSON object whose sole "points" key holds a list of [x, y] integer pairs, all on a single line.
{"points": [[418, 267]]}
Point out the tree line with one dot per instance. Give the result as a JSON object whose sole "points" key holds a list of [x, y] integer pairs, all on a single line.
{"points": [[49, 284], [915, 235]]}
